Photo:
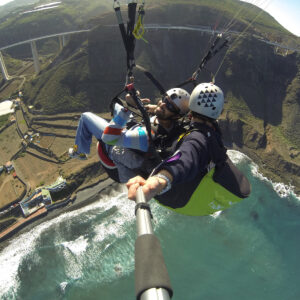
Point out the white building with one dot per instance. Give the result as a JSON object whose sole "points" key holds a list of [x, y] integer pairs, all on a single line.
{"points": [[9, 166], [6, 107]]}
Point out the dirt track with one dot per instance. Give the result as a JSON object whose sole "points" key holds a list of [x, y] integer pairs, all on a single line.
{"points": [[35, 166]]}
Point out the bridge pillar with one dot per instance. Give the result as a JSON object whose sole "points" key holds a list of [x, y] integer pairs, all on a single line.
{"points": [[35, 57], [3, 68], [62, 41]]}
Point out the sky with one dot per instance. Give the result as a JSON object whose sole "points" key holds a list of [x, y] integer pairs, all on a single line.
{"points": [[2, 2], [286, 12]]}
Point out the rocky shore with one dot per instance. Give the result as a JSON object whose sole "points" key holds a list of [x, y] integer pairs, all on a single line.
{"points": [[277, 160], [82, 198]]}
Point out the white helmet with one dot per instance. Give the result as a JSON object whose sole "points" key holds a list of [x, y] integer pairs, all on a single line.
{"points": [[207, 99], [181, 99]]}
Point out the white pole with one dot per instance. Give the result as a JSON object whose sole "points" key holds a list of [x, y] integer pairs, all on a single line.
{"points": [[35, 57], [3, 68]]}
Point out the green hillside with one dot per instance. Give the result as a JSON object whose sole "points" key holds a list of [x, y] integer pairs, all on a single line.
{"points": [[102, 59], [74, 14], [12, 65], [71, 15], [262, 85]]}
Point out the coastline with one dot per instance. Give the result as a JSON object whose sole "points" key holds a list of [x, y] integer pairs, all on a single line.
{"points": [[86, 195], [83, 197]]}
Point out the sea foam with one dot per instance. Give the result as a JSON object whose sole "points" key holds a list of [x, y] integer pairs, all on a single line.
{"points": [[282, 190], [116, 227], [24, 244]]}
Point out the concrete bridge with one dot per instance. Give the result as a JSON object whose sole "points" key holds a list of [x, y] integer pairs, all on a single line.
{"points": [[62, 36], [210, 30], [62, 40]]}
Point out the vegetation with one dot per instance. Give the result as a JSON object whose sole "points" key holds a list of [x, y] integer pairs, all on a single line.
{"points": [[262, 86], [73, 81], [291, 110], [4, 119], [12, 64], [61, 88], [71, 15], [7, 223]]}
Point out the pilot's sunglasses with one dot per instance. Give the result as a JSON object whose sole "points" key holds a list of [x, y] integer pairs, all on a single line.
{"points": [[170, 106]]}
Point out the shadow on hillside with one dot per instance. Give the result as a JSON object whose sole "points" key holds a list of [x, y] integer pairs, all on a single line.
{"points": [[261, 78]]}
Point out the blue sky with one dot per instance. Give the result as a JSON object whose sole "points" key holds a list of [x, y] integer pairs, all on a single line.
{"points": [[286, 12], [2, 2]]}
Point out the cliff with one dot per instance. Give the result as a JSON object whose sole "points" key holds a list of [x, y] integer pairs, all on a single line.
{"points": [[261, 83]]}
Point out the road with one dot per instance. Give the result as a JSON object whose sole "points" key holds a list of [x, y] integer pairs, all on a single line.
{"points": [[154, 27]]}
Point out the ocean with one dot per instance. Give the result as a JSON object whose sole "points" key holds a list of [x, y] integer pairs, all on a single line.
{"points": [[249, 251]]}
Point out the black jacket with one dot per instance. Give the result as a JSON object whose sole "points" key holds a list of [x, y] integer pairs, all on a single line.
{"points": [[188, 165]]}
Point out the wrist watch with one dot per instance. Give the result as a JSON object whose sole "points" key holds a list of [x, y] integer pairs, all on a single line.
{"points": [[167, 187]]}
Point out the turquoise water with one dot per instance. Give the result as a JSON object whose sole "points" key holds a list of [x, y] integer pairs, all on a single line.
{"points": [[250, 251]]}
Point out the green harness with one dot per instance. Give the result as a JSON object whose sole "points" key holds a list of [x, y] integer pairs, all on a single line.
{"points": [[208, 198], [221, 187]]}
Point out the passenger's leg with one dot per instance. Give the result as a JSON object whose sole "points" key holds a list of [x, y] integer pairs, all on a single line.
{"points": [[126, 161], [114, 134], [89, 125]]}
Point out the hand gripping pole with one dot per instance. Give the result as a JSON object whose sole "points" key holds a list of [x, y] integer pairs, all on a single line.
{"points": [[151, 276]]}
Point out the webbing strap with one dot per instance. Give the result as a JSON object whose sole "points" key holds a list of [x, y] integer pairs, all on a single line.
{"points": [[117, 9], [130, 37], [130, 89], [143, 205], [210, 54], [127, 35], [153, 79]]}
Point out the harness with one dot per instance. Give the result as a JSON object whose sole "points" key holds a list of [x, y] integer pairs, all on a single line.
{"points": [[128, 36], [217, 149], [222, 163], [163, 147], [216, 188], [164, 139]]}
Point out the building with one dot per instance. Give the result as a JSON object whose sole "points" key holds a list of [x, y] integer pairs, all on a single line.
{"points": [[38, 199], [6, 107], [58, 185], [47, 200], [17, 102], [9, 166]]}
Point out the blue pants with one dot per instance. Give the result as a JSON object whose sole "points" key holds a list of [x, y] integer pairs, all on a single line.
{"points": [[89, 125], [125, 159]]}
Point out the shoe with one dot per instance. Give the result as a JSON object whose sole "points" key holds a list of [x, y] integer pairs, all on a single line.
{"points": [[104, 159], [74, 154]]}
